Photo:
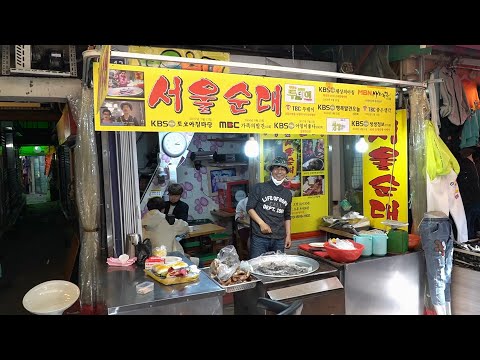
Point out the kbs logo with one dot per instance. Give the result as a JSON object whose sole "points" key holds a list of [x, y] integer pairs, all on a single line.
{"points": [[359, 123], [284, 125], [325, 107], [229, 125], [162, 123]]}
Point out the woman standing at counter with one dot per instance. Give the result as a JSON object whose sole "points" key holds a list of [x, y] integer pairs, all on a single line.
{"points": [[269, 207], [156, 227]]}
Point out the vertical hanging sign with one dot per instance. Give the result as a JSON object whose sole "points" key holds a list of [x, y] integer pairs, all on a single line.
{"points": [[385, 175], [103, 76]]}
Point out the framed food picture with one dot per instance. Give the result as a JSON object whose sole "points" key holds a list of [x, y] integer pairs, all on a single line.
{"points": [[123, 83], [313, 185], [216, 175]]}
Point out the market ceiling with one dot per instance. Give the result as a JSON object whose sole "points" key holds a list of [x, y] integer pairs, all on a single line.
{"points": [[334, 52]]}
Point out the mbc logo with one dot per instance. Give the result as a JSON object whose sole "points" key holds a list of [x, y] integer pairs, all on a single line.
{"points": [[229, 125]]}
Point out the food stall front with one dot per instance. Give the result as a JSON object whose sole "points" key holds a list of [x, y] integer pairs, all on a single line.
{"points": [[296, 107], [201, 297]]}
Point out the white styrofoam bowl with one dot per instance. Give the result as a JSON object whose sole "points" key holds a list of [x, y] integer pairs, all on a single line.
{"points": [[51, 297]]}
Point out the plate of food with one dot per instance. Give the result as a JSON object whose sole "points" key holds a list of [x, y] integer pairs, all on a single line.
{"points": [[125, 91], [176, 273], [317, 244]]}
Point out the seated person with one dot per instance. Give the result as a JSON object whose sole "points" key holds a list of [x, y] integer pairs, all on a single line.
{"points": [[242, 220], [175, 206], [156, 227]]}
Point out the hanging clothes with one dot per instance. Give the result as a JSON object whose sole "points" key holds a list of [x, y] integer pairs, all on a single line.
{"points": [[454, 101], [469, 184], [451, 134], [443, 193], [471, 130], [440, 159]]}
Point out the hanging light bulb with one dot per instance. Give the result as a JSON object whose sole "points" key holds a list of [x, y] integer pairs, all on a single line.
{"points": [[361, 146], [251, 147]]}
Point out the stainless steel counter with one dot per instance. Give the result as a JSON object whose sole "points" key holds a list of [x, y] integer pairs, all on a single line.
{"points": [[202, 297], [321, 292], [382, 285]]}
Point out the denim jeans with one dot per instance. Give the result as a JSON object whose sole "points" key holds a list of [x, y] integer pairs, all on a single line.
{"points": [[260, 245], [437, 244]]}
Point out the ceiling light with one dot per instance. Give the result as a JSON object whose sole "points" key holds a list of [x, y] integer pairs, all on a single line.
{"points": [[251, 147], [361, 146]]}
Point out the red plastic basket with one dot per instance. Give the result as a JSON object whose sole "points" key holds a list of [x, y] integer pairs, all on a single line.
{"points": [[344, 256], [413, 241]]}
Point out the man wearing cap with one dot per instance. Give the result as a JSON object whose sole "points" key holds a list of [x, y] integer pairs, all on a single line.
{"points": [[269, 207]]}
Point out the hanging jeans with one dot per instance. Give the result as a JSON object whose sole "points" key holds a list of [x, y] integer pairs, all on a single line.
{"points": [[437, 243]]}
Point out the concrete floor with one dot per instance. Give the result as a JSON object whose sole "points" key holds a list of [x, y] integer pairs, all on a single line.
{"points": [[34, 250]]}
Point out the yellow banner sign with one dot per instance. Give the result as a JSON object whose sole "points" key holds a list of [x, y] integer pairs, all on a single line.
{"points": [[307, 179], [193, 101], [385, 175]]}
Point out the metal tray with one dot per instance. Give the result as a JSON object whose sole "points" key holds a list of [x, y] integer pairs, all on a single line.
{"points": [[296, 259], [235, 287], [240, 286]]}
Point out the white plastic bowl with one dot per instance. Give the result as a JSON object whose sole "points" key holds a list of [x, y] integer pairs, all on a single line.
{"points": [[51, 297]]}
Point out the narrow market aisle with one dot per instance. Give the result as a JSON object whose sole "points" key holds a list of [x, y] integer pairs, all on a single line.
{"points": [[34, 250]]}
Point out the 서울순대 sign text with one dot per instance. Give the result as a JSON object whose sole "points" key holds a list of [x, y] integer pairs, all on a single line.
{"points": [[175, 100]]}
